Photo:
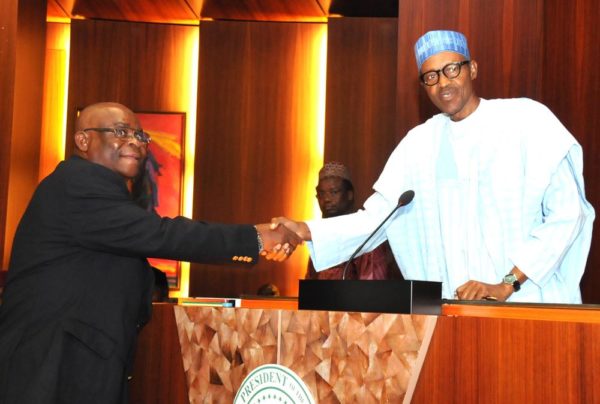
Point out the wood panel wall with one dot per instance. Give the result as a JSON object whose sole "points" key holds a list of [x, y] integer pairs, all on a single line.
{"points": [[571, 88], [524, 48], [543, 49], [8, 42], [255, 140], [504, 360], [360, 118], [158, 375], [505, 37], [135, 64], [23, 102]]}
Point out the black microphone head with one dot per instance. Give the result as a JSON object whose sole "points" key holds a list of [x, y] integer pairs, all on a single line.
{"points": [[406, 197]]}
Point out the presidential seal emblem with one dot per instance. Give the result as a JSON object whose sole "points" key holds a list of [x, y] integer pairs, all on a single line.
{"points": [[273, 384]]}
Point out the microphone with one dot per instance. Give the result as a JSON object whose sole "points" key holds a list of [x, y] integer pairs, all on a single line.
{"points": [[404, 200]]}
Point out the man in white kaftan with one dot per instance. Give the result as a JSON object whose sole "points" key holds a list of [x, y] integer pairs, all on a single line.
{"points": [[490, 193], [499, 210]]}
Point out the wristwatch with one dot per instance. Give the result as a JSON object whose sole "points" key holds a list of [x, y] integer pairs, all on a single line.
{"points": [[511, 279]]}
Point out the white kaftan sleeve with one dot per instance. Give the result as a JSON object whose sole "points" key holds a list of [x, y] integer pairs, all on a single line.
{"points": [[335, 239], [564, 213]]}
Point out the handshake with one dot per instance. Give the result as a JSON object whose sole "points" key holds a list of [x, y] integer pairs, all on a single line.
{"points": [[281, 237]]}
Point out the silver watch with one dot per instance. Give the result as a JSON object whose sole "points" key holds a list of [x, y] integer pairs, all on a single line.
{"points": [[511, 279]]}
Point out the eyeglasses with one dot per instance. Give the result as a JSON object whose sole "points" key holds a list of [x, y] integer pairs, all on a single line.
{"points": [[451, 71], [124, 133], [332, 193]]}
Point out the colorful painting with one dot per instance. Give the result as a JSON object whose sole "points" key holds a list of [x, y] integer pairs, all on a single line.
{"points": [[165, 168]]}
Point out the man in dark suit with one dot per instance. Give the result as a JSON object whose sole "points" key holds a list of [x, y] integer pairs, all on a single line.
{"points": [[79, 285]]}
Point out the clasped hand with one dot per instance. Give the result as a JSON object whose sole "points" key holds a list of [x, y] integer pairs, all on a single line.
{"points": [[278, 241], [281, 237]]}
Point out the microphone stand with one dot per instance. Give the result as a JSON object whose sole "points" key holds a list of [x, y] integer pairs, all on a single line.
{"points": [[369, 238], [405, 199], [391, 296]]}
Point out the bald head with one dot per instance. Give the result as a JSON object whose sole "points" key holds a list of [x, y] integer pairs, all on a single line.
{"points": [[91, 114], [95, 142]]}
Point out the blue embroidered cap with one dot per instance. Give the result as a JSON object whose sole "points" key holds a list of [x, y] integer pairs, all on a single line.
{"points": [[434, 42]]}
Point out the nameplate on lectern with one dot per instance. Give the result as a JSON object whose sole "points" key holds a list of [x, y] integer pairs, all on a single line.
{"points": [[376, 296]]}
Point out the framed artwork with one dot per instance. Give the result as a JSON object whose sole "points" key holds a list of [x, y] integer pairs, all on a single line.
{"points": [[164, 167]]}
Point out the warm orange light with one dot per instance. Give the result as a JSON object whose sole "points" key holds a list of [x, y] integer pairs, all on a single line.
{"points": [[53, 123], [54, 104], [319, 146], [60, 20], [185, 91], [308, 123], [315, 122]]}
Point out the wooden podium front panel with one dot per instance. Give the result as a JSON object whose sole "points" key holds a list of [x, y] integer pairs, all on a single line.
{"points": [[158, 376], [342, 357], [494, 360], [470, 359], [348, 357], [220, 346]]}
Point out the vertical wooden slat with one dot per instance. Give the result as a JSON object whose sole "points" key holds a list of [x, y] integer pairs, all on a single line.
{"points": [[137, 64], [8, 35], [26, 99], [572, 89], [505, 38], [255, 152], [360, 122], [158, 375], [474, 360]]}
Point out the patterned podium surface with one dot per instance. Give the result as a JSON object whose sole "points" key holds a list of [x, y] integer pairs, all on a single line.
{"points": [[477, 353], [342, 357]]}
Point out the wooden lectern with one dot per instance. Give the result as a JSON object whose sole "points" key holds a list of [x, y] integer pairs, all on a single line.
{"points": [[479, 353]]}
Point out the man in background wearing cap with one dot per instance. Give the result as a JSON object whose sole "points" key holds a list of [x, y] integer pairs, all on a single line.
{"points": [[499, 209], [335, 194]]}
